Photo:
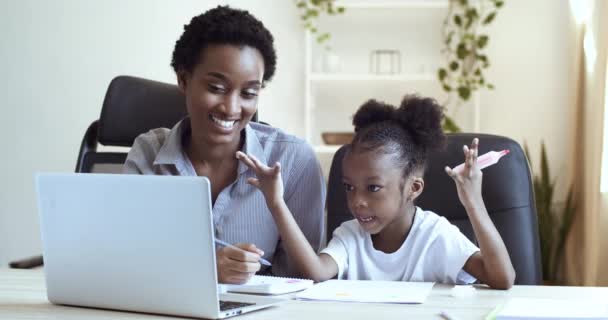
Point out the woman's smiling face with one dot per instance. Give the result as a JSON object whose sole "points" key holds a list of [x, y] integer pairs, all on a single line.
{"points": [[222, 92]]}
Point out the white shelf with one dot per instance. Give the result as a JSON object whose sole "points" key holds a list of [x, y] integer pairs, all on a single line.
{"points": [[326, 148], [412, 27], [372, 77], [393, 4]]}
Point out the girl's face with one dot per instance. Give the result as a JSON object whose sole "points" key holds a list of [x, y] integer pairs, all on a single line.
{"points": [[222, 92], [377, 193]]}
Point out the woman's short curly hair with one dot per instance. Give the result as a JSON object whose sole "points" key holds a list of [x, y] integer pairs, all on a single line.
{"points": [[223, 25]]}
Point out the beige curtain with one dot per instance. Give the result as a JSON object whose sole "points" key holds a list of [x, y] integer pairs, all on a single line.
{"points": [[584, 249]]}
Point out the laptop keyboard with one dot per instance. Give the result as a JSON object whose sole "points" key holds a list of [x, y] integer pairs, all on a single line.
{"points": [[227, 305]]}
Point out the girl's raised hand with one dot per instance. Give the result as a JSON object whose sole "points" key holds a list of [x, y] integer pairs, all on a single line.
{"points": [[468, 181], [268, 179]]}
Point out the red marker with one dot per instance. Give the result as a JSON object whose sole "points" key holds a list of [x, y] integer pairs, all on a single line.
{"points": [[485, 160]]}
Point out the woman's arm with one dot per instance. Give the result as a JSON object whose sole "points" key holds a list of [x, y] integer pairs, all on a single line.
{"points": [[492, 265], [308, 263]]}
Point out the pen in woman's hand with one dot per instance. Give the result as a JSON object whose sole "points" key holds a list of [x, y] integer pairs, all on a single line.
{"points": [[226, 244]]}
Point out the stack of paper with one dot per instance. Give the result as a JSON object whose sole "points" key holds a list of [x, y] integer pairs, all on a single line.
{"points": [[527, 308], [268, 285], [368, 291]]}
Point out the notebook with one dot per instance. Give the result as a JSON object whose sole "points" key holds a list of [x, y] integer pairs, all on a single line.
{"points": [[269, 285], [369, 291], [558, 309]]}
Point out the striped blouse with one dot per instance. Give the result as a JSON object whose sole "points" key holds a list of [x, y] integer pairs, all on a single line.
{"points": [[240, 213]]}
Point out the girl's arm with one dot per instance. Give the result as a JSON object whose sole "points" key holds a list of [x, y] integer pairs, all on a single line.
{"points": [[310, 265], [492, 264]]}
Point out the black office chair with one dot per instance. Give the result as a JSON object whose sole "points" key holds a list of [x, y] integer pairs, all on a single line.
{"points": [[507, 193], [132, 106]]}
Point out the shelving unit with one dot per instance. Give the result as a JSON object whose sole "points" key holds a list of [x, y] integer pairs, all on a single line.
{"points": [[371, 77], [394, 4], [412, 27]]}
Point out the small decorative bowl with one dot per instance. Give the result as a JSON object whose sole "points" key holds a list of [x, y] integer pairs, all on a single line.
{"points": [[337, 138]]}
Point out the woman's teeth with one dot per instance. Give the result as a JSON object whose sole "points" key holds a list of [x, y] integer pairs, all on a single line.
{"points": [[223, 123]]}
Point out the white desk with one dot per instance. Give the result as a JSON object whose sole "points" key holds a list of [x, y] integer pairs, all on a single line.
{"points": [[23, 296]]}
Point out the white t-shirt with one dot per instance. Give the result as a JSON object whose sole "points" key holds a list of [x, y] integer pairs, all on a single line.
{"points": [[434, 251]]}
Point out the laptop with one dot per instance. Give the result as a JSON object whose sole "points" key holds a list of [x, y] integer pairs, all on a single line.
{"points": [[135, 243]]}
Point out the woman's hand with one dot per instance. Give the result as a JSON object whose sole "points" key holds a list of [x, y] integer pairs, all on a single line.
{"points": [[237, 265], [468, 180], [268, 179]]}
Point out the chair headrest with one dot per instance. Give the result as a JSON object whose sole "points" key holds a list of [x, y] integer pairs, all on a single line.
{"points": [[133, 106]]}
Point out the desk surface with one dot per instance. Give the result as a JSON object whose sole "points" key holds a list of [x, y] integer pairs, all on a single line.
{"points": [[23, 296]]}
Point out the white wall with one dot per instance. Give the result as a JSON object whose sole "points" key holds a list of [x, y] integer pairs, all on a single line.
{"points": [[57, 58], [532, 51]]}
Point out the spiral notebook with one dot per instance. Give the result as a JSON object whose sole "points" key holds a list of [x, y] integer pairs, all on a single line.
{"points": [[269, 285]]}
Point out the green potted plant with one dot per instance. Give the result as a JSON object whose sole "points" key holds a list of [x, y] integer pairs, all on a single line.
{"points": [[464, 44], [310, 10], [554, 220]]}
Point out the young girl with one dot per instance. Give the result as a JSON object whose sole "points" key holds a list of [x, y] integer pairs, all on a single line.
{"points": [[391, 238]]}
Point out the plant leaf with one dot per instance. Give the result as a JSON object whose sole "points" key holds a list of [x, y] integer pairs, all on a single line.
{"points": [[464, 93], [489, 18], [461, 51], [468, 24], [527, 153], [482, 41], [472, 13], [324, 37], [442, 74], [457, 20], [448, 39], [544, 170], [454, 65], [449, 125], [312, 12]]}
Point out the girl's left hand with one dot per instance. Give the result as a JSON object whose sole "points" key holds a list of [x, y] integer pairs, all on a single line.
{"points": [[268, 179], [468, 180]]}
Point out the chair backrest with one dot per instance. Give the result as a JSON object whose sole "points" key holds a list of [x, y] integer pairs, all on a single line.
{"points": [[132, 106], [507, 192]]}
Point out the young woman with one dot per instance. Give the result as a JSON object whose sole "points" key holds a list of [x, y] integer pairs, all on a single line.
{"points": [[222, 61]]}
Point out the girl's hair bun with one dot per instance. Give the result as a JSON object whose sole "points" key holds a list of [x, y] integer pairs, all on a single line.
{"points": [[422, 118], [371, 112]]}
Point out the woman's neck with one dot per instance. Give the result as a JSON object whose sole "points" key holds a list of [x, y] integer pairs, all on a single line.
{"points": [[201, 151], [392, 237]]}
